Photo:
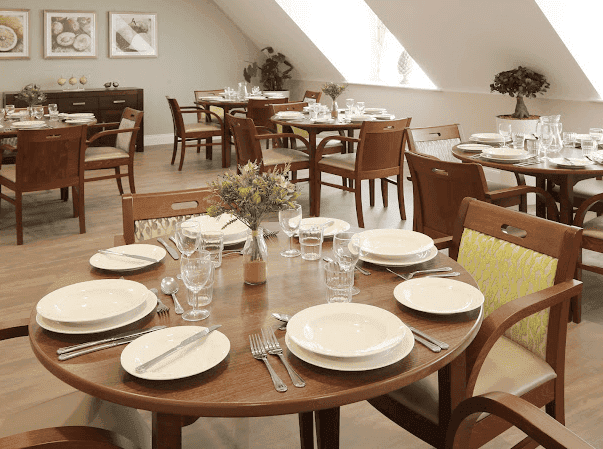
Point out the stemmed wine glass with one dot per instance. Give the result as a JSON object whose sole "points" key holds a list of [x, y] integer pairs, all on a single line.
{"points": [[197, 269], [346, 251], [290, 220], [187, 237], [504, 129], [546, 138], [360, 107]]}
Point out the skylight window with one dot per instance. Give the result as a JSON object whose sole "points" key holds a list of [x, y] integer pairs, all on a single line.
{"points": [[364, 50], [576, 23]]}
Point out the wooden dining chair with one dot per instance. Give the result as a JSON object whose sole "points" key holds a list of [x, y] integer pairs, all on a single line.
{"points": [[248, 148], [120, 152], [311, 95], [187, 133], [149, 215], [260, 112], [199, 94], [439, 188], [380, 154], [438, 141], [539, 426], [66, 421], [527, 281], [47, 159]]}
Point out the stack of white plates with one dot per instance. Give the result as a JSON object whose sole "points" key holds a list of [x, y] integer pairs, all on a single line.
{"points": [[234, 233], [348, 337], [212, 98], [505, 154], [375, 111], [79, 118], [30, 124], [273, 95], [94, 306], [488, 138], [290, 114], [362, 118], [440, 296], [396, 247], [473, 147]]}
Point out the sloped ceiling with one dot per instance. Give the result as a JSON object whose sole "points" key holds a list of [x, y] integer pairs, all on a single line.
{"points": [[461, 45]]}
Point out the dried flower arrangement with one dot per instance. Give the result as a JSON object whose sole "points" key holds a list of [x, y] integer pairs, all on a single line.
{"points": [[520, 82], [32, 95], [333, 90]]}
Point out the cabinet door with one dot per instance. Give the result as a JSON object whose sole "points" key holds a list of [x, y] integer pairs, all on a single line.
{"points": [[78, 104]]}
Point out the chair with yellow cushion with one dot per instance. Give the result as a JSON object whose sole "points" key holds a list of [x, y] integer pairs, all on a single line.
{"points": [[526, 277]]}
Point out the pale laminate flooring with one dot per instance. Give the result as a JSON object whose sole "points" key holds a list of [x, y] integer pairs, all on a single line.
{"points": [[46, 217]]}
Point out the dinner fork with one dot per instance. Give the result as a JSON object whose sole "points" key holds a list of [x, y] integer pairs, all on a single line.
{"points": [[161, 307], [273, 347], [269, 234], [409, 276], [258, 352]]}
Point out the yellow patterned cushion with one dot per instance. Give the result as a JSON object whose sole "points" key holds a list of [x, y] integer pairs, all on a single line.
{"points": [[504, 272], [156, 227]]}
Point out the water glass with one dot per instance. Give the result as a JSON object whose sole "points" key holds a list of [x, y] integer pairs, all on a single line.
{"points": [[519, 140], [346, 251], [589, 146], [9, 110], [213, 243], [339, 282], [504, 129], [360, 107], [533, 147], [53, 112], [569, 139], [310, 241], [596, 134], [196, 270], [314, 108], [349, 104], [205, 295], [290, 220], [188, 236], [38, 112]]}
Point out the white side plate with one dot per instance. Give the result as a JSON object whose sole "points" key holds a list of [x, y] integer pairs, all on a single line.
{"points": [[122, 263], [440, 296]]}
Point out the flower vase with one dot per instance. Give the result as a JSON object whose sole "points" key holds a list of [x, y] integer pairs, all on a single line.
{"points": [[255, 255], [334, 110]]}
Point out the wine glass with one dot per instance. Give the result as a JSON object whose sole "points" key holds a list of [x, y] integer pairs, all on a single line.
{"points": [[504, 129], [188, 236], [290, 220], [349, 104], [360, 107], [9, 110], [546, 138], [596, 134], [346, 251], [196, 270]]}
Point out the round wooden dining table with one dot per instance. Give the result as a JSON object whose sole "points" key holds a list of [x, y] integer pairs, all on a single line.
{"points": [[240, 386], [545, 171]]}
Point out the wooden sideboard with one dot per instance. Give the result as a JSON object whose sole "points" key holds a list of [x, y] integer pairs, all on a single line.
{"points": [[106, 104]]}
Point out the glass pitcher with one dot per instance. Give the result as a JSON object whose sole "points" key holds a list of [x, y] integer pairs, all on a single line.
{"points": [[554, 127], [242, 91]]}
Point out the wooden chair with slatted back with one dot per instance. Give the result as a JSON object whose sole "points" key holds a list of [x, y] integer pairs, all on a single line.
{"points": [[47, 159], [186, 133], [149, 215], [539, 426], [311, 95], [440, 186], [526, 277], [380, 154]]}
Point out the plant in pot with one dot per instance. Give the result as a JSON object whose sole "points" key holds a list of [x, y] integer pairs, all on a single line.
{"points": [[273, 72], [519, 83]]}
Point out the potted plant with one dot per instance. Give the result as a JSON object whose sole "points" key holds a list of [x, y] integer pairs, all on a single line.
{"points": [[273, 72], [519, 83]]}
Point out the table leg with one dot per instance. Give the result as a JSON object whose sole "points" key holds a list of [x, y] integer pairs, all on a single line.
{"points": [[540, 204], [167, 431], [225, 146], [313, 199], [306, 430], [327, 428], [566, 201]]}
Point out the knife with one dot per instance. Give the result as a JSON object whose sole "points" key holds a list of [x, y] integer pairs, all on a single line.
{"points": [[130, 334], [132, 256], [170, 250], [145, 366], [435, 341]]}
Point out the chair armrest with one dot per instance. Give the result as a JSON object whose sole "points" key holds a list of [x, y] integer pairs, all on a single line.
{"points": [[584, 208], [110, 132], [283, 135], [522, 190], [14, 328], [497, 323], [238, 111], [534, 422], [323, 144], [103, 125], [443, 242]]}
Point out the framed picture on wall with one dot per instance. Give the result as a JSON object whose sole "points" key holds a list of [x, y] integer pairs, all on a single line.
{"points": [[69, 34], [132, 35], [14, 33]]}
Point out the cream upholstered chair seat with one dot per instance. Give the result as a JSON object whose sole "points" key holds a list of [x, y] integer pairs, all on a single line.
{"points": [[104, 153], [525, 373], [594, 228], [346, 161], [9, 172], [200, 127], [277, 156]]}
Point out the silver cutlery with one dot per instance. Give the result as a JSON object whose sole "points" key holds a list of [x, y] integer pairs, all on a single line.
{"points": [[273, 347], [567, 159], [433, 340], [71, 355], [229, 252], [409, 276], [169, 249], [131, 256], [430, 345], [258, 352], [173, 240], [161, 307], [169, 286], [199, 335], [270, 234], [282, 317], [130, 334]]}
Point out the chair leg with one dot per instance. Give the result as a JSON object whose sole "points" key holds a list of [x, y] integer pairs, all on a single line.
{"points": [[209, 149], [199, 147], [182, 150], [358, 192], [384, 192], [75, 199], [118, 179], [306, 430], [19, 215], [81, 210], [65, 193], [576, 304], [131, 177], [175, 150], [401, 199], [371, 192], [316, 198]]}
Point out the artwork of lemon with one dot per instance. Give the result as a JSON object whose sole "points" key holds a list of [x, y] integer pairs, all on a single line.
{"points": [[8, 38], [82, 42], [73, 80]]}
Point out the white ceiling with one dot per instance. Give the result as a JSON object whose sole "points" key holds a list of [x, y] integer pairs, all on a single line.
{"points": [[460, 45]]}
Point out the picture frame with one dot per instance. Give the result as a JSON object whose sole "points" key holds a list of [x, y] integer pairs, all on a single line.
{"points": [[69, 34], [14, 33], [133, 35]]}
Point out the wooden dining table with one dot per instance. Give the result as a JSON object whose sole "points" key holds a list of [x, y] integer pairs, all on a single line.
{"points": [[240, 386], [545, 172]]}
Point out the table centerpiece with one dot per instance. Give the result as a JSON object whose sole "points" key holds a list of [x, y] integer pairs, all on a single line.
{"points": [[333, 90], [249, 196], [32, 95]]}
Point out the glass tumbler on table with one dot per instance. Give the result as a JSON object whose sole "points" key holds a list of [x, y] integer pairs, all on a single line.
{"points": [[197, 270], [596, 134], [290, 220], [310, 241], [346, 251], [53, 112], [360, 107], [213, 242], [9, 110], [38, 112], [339, 282], [589, 146], [504, 129], [519, 140], [569, 139]]}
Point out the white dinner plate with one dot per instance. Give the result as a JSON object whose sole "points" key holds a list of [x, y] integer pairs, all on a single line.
{"points": [[506, 160], [289, 114], [441, 296], [77, 115], [121, 263], [473, 147], [346, 329], [393, 243], [404, 261], [375, 110], [362, 118], [575, 162], [488, 137], [79, 121], [92, 302], [505, 152], [324, 120], [80, 329], [193, 359], [365, 363], [233, 233], [212, 97], [28, 124], [385, 117], [329, 231]]}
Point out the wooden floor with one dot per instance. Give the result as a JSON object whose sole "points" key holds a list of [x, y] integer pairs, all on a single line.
{"points": [[47, 217]]}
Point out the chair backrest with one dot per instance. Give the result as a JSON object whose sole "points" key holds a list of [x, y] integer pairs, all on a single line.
{"points": [[130, 118], [259, 111], [435, 141], [206, 93], [298, 106], [381, 149], [439, 187], [148, 215], [50, 158], [247, 147], [310, 95], [176, 117]]}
